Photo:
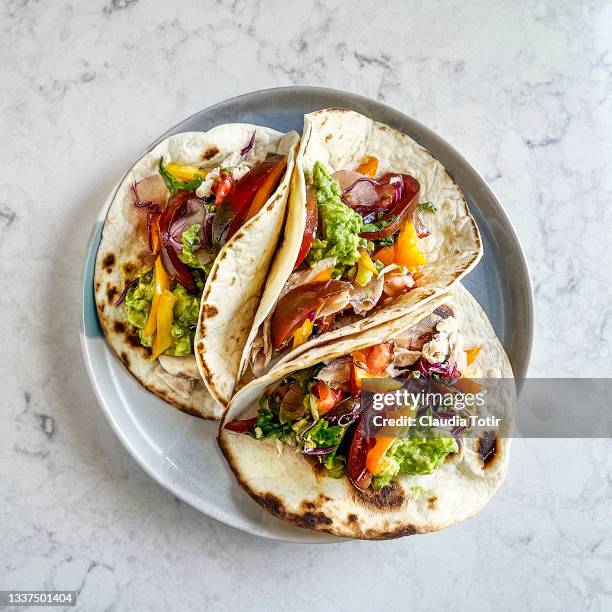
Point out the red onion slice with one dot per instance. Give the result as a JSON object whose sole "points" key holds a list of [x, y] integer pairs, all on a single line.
{"points": [[247, 148]]}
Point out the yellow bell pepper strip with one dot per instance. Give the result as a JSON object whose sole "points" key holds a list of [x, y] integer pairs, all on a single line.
{"points": [[407, 252], [386, 255], [163, 336], [185, 172], [323, 276], [303, 333], [162, 281], [471, 354], [368, 166], [365, 269]]}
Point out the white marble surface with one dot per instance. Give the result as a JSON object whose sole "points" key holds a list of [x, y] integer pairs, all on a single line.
{"points": [[524, 90]]}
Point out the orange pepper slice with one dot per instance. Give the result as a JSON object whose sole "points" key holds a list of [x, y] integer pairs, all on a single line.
{"points": [[467, 385], [368, 166], [376, 453], [386, 255], [323, 276], [471, 354], [407, 252]]}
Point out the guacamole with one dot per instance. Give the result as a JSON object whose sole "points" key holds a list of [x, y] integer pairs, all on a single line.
{"points": [[138, 302], [340, 225], [414, 456]]}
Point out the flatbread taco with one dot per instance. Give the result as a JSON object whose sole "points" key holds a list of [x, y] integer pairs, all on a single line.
{"points": [[376, 227], [307, 446], [185, 250]]}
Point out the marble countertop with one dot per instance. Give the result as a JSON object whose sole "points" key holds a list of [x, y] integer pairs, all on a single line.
{"points": [[524, 93]]}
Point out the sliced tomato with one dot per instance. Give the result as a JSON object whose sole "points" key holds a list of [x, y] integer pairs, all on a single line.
{"points": [[176, 269], [224, 187], [327, 397], [232, 209], [292, 310], [312, 219], [358, 455], [379, 357], [153, 230], [299, 304], [241, 426], [358, 373]]}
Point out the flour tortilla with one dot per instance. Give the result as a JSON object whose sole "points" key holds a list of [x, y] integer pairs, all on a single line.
{"points": [[286, 484], [340, 139], [236, 280]]}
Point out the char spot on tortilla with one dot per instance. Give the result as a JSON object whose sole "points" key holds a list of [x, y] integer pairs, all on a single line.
{"points": [[233, 281], [272, 503], [134, 341], [97, 285], [128, 269], [239, 235], [432, 503], [125, 359], [328, 137], [111, 292], [309, 505], [487, 448], [387, 498], [400, 532], [352, 518], [108, 262], [270, 206], [210, 311], [119, 327], [209, 153], [101, 306], [307, 519]]}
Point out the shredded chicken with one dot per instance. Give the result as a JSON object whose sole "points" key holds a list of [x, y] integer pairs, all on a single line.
{"points": [[365, 298], [396, 284], [180, 366], [301, 277], [337, 373], [180, 384], [447, 343], [261, 351], [403, 358]]}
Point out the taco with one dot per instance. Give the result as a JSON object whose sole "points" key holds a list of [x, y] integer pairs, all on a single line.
{"points": [[375, 228], [306, 447], [183, 258]]}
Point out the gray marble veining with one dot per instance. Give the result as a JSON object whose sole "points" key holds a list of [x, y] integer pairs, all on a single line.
{"points": [[523, 90]]}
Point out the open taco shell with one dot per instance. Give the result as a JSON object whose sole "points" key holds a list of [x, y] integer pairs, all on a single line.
{"points": [[233, 288], [287, 484]]}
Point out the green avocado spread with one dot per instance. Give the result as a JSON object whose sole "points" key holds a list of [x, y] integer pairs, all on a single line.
{"points": [[414, 456], [185, 313], [338, 234]]}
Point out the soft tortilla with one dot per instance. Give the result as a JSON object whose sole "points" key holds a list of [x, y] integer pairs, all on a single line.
{"points": [[124, 252], [340, 138], [286, 484]]}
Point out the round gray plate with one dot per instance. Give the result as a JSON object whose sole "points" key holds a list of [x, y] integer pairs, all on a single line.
{"points": [[179, 451]]}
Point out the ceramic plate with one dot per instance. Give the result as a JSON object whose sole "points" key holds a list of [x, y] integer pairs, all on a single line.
{"points": [[180, 451]]}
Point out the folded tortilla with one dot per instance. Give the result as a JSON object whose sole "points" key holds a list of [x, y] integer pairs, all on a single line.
{"points": [[341, 139], [233, 288], [286, 484]]}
